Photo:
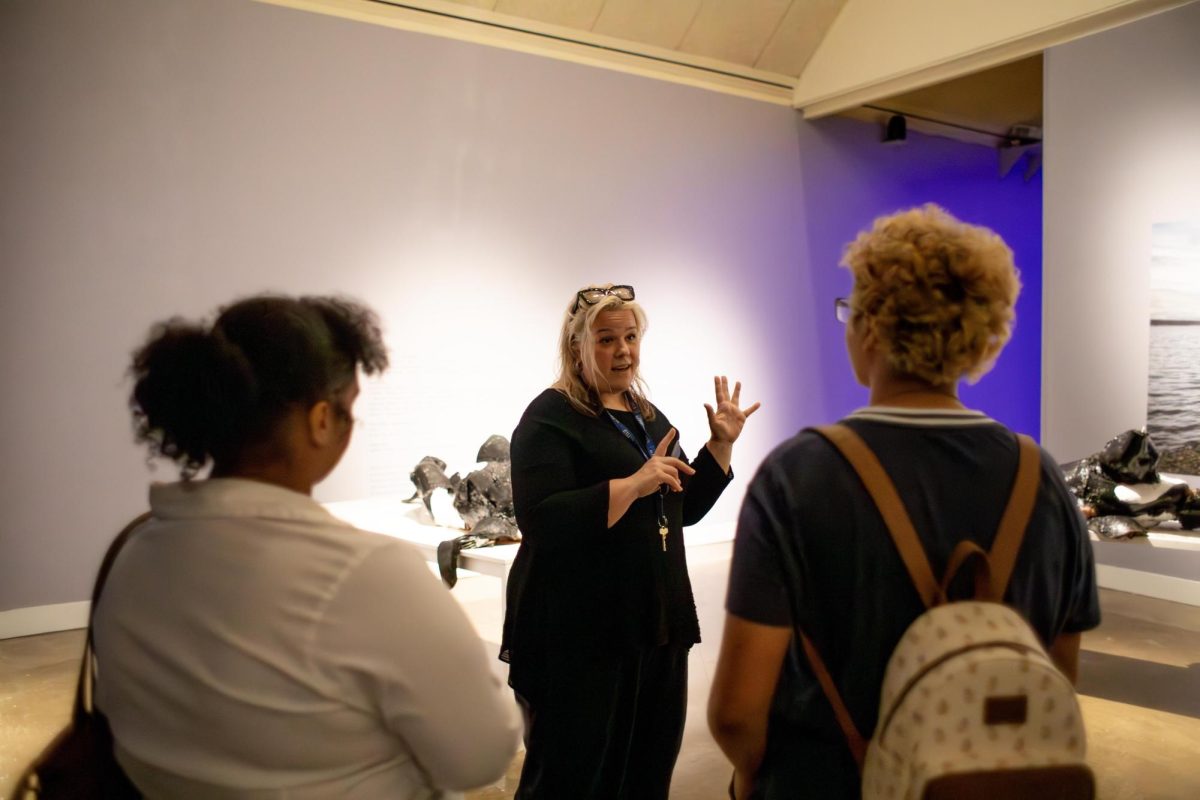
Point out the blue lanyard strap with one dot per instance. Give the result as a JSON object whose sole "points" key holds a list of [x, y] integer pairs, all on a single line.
{"points": [[647, 450]]}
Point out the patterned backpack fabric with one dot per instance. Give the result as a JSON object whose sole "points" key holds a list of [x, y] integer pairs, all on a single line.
{"points": [[971, 704]]}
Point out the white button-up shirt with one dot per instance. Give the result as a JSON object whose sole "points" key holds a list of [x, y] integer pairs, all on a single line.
{"points": [[251, 645]]}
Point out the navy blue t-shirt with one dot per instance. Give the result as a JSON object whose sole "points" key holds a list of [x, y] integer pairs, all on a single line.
{"points": [[808, 527]]}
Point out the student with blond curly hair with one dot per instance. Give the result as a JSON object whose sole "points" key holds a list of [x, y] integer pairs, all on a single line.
{"points": [[932, 304]]}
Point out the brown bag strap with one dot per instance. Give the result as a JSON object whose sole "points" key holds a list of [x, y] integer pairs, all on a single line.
{"points": [[858, 745], [891, 509], [85, 686], [963, 551], [1007, 544]]}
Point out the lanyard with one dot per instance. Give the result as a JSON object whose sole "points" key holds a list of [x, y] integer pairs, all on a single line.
{"points": [[647, 451]]}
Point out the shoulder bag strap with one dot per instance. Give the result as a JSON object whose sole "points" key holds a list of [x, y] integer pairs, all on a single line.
{"points": [[891, 508], [1007, 544], [84, 687]]}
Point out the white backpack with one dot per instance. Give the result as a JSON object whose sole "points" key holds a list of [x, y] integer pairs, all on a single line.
{"points": [[971, 704]]}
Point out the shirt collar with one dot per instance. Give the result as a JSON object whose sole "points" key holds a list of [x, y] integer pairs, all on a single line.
{"points": [[237, 498], [922, 417]]}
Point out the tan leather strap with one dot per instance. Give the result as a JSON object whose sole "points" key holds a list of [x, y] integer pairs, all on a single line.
{"points": [[858, 745], [891, 508], [983, 572], [1007, 544]]}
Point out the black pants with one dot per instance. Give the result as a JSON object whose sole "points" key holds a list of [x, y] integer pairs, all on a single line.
{"points": [[605, 727]]}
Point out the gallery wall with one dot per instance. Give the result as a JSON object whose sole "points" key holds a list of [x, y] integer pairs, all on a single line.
{"points": [[1122, 112], [162, 158]]}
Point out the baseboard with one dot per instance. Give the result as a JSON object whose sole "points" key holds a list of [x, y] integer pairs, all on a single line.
{"points": [[1149, 584], [43, 619]]}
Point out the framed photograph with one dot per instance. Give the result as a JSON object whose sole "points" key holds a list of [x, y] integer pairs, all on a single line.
{"points": [[1173, 414]]}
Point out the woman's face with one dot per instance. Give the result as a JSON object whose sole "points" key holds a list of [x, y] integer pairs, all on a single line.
{"points": [[616, 349]]}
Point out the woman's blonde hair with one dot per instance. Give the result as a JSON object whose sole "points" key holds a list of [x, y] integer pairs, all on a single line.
{"points": [[577, 357], [937, 292]]}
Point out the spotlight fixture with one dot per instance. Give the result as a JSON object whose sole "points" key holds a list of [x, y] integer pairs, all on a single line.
{"points": [[896, 131]]}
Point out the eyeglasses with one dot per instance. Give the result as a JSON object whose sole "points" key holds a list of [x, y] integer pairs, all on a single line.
{"points": [[842, 310], [594, 294]]}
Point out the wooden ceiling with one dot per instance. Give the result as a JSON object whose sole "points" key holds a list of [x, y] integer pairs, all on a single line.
{"points": [[770, 36]]}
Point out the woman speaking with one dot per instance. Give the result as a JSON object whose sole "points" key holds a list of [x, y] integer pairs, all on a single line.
{"points": [[600, 609]]}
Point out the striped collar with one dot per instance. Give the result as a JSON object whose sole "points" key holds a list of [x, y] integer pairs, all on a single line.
{"points": [[922, 417]]}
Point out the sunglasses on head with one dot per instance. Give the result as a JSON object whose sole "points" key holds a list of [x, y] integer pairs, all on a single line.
{"points": [[594, 294]]}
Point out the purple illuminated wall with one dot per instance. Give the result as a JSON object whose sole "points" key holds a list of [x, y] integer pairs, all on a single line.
{"points": [[849, 178]]}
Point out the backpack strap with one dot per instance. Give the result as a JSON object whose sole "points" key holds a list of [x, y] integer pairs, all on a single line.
{"points": [[858, 745], [891, 509], [1007, 544]]}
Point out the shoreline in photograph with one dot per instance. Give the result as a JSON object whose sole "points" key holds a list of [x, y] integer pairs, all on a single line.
{"points": [[1174, 387], [1181, 460]]}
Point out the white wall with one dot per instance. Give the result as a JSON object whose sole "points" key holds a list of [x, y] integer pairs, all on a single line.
{"points": [[162, 158], [1122, 113]]}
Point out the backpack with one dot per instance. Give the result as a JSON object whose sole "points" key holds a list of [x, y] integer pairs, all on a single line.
{"points": [[971, 703]]}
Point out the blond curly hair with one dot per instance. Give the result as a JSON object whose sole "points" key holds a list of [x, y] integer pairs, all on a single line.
{"points": [[937, 292], [577, 357]]}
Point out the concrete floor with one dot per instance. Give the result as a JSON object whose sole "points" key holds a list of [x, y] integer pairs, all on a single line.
{"points": [[1139, 681]]}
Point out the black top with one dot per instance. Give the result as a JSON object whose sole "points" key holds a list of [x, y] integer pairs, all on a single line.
{"points": [[808, 522], [575, 581]]}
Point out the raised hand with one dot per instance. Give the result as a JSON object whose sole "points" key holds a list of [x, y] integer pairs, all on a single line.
{"points": [[661, 469], [728, 418]]}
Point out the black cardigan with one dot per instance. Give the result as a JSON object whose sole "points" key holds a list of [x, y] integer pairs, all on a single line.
{"points": [[575, 582]]}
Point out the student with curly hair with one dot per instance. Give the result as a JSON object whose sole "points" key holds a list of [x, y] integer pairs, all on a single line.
{"points": [[249, 643], [932, 304]]}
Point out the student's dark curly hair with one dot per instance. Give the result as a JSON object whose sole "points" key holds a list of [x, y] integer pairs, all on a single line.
{"points": [[206, 393]]}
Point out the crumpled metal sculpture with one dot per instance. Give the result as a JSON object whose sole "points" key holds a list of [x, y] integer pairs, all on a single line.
{"points": [[485, 492], [428, 476], [494, 449], [491, 530], [1121, 493], [483, 499]]}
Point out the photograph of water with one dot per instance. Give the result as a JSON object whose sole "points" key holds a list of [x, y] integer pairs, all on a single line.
{"points": [[1174, 392]]}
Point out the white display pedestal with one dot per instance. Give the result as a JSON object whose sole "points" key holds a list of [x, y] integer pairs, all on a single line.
{"points": [[392, 516], [1165, 564]]}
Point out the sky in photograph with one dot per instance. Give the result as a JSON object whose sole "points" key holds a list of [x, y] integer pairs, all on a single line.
{"points": [[1175, 271]]}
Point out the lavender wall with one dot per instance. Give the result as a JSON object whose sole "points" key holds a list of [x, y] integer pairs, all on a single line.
{"points": [[165, 156]]}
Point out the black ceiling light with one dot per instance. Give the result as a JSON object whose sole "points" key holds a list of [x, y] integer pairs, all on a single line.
{"points": [[896, 131]]}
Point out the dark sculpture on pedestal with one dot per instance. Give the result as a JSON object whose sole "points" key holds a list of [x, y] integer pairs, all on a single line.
{"points": [[483, 499]]}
